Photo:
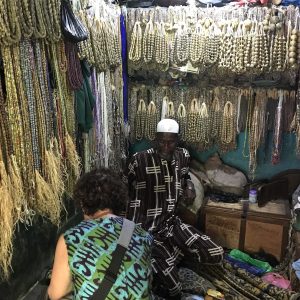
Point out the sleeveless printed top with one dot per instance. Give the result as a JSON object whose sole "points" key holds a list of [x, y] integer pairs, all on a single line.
{"points": [[90, 245]]}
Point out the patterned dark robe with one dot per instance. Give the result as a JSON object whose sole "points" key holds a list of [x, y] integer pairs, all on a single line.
{"points": [[156, 186]]}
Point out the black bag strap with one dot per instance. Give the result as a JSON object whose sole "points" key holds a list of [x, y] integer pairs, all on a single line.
{"points": [[117, 258]]}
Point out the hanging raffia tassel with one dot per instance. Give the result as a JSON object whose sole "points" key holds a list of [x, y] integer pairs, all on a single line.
{"points": [[17, 190], [47, 204], [6, 224], [73, 163], [54, 170]]}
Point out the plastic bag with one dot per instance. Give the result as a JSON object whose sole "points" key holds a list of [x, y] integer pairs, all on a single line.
{"points": [[72, 27], [277, 279]]}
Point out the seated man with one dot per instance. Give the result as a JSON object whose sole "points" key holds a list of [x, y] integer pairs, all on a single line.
{"points": [[157, 179]]}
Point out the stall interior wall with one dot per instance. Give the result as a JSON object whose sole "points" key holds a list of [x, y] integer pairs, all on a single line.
{"points": [[235, 158], [228, 75]]}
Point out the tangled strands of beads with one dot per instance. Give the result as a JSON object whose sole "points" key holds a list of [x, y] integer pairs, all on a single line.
{"points": [[140, 120], [151, 121], [182, 121], [74, 73]]}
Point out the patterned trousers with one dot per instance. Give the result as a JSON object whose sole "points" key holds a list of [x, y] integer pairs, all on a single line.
{"points": [[174, 242]]}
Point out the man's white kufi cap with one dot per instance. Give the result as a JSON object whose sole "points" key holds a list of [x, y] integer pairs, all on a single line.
{"points": [[168, 126]]}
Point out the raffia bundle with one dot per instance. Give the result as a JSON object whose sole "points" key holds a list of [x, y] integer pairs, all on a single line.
{"points": [[73, 164], [47, 204], [17, 190], [6, 223]]}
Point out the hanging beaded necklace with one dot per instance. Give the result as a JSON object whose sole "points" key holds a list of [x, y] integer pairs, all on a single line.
{"points": [[257, 130], [38, 20], [151, 121], [52, 19], [216, 117], [182, 121], [277, 130], [42, 72], [135, 50], [197, 46], [162, 52], [228, 129], [10, 17], [192, 122], [25, 18], [170, 114], [140, 120], [14, 114], [148, 42], [203, 125], [181, 45]]}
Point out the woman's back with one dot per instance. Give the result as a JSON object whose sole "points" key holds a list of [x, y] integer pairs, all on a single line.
{"points": [[90, 245]]}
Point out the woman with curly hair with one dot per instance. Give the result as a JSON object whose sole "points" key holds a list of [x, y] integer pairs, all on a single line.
{"points": [[84, 252]]}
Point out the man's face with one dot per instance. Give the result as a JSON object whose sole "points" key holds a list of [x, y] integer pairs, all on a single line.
{"points": [[166, 144]]}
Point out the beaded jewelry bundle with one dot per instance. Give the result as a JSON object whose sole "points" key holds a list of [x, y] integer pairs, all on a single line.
{"points": [[212, 116], [228, 40]]}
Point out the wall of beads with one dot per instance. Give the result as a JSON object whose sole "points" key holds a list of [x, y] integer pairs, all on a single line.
{"points": [[61, 111], [215, 42], [105, 144], [214, 116], [180, 48], [38, 160]]}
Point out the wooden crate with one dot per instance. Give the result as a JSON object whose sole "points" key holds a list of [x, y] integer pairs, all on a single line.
{"points": [[249, 228]]}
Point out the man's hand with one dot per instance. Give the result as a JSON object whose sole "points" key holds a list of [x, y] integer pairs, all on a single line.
{"points": [[189, 193]]}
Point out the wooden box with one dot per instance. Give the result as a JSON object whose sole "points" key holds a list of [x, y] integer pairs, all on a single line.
{"points": [[249, 227]]}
